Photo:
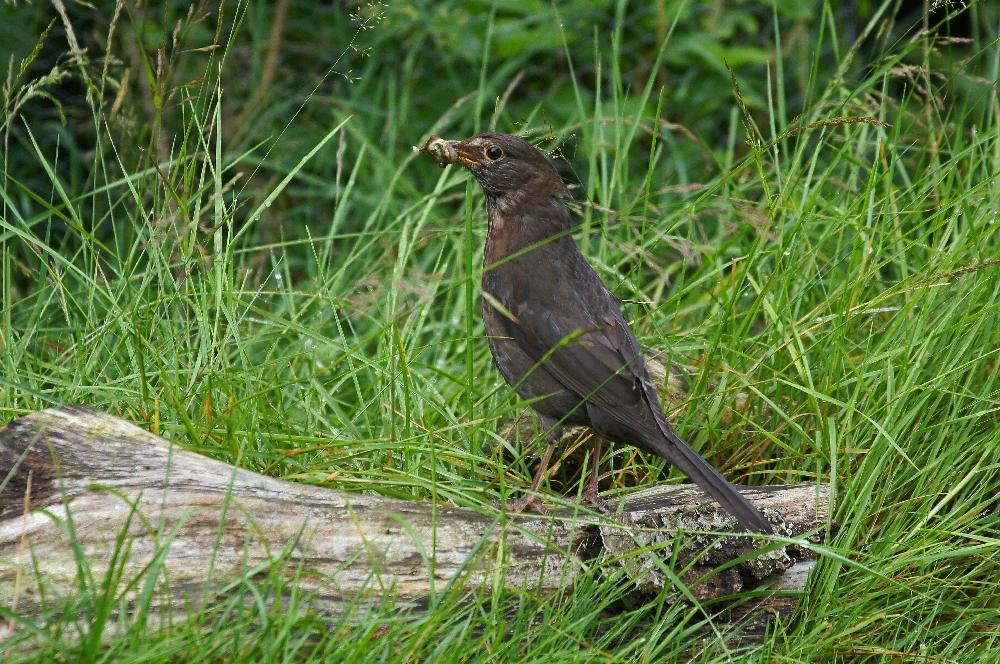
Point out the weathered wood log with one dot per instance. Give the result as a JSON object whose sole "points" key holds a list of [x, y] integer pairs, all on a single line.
{"points": [[207, 523]]}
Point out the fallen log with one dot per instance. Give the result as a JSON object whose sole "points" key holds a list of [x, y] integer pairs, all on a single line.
{"points": [[77, 481]]}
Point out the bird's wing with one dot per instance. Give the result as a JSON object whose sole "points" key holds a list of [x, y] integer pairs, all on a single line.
{"points": [[598, 359]]}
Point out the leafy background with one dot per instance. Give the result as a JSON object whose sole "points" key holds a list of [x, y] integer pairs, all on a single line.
{"points": [[214, 225]]}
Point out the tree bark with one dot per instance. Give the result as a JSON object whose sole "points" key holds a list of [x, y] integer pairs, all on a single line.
{"points": [[203, 524]]}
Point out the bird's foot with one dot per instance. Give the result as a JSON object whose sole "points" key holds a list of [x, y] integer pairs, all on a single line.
{"points": [[590, 497], [523, 503]]}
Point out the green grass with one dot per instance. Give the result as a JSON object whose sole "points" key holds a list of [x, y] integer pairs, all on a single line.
{"points": [[831, 251]]}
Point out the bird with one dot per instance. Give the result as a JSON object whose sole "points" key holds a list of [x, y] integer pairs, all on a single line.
{"points": [[556, 332]]}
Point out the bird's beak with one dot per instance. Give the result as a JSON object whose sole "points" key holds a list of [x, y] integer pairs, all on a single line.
{"points": [[445, 152]]}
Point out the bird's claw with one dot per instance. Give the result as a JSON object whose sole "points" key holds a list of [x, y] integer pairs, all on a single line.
{"points": [[524, 502], [590, 497]]}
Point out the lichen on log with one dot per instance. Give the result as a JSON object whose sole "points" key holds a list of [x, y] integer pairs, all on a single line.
{"points": [[207, 523]]}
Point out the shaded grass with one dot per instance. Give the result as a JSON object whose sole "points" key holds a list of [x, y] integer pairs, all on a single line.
{"points": [[844, 275]]}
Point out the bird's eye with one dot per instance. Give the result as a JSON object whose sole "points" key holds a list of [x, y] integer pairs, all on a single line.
{"points": [[493, 153]]}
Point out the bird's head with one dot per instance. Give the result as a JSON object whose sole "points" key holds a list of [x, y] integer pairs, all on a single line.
{"points": [[506, 166]]}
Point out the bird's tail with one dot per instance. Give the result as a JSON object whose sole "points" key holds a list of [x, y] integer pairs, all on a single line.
{"points": [[711, 481]]}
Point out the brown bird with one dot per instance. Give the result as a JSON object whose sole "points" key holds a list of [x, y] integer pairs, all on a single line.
{"points": [[556, 332]]}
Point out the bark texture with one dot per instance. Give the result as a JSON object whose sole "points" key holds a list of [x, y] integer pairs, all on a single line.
{"points": [[203, 524]]}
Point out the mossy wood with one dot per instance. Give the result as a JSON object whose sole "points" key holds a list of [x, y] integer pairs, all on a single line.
{"points": [[208, 523]]}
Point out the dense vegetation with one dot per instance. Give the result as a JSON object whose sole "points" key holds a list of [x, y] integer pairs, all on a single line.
{"points": [[213, 224]]}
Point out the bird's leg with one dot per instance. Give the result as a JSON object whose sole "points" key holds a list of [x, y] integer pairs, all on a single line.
{"points": [[589, 495], [531, 499]]}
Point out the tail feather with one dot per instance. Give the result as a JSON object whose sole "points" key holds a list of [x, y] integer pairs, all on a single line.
{"points": [[689, 462]]}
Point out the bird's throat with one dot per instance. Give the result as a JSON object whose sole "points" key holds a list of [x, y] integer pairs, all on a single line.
{"points": [[515, 226]]}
